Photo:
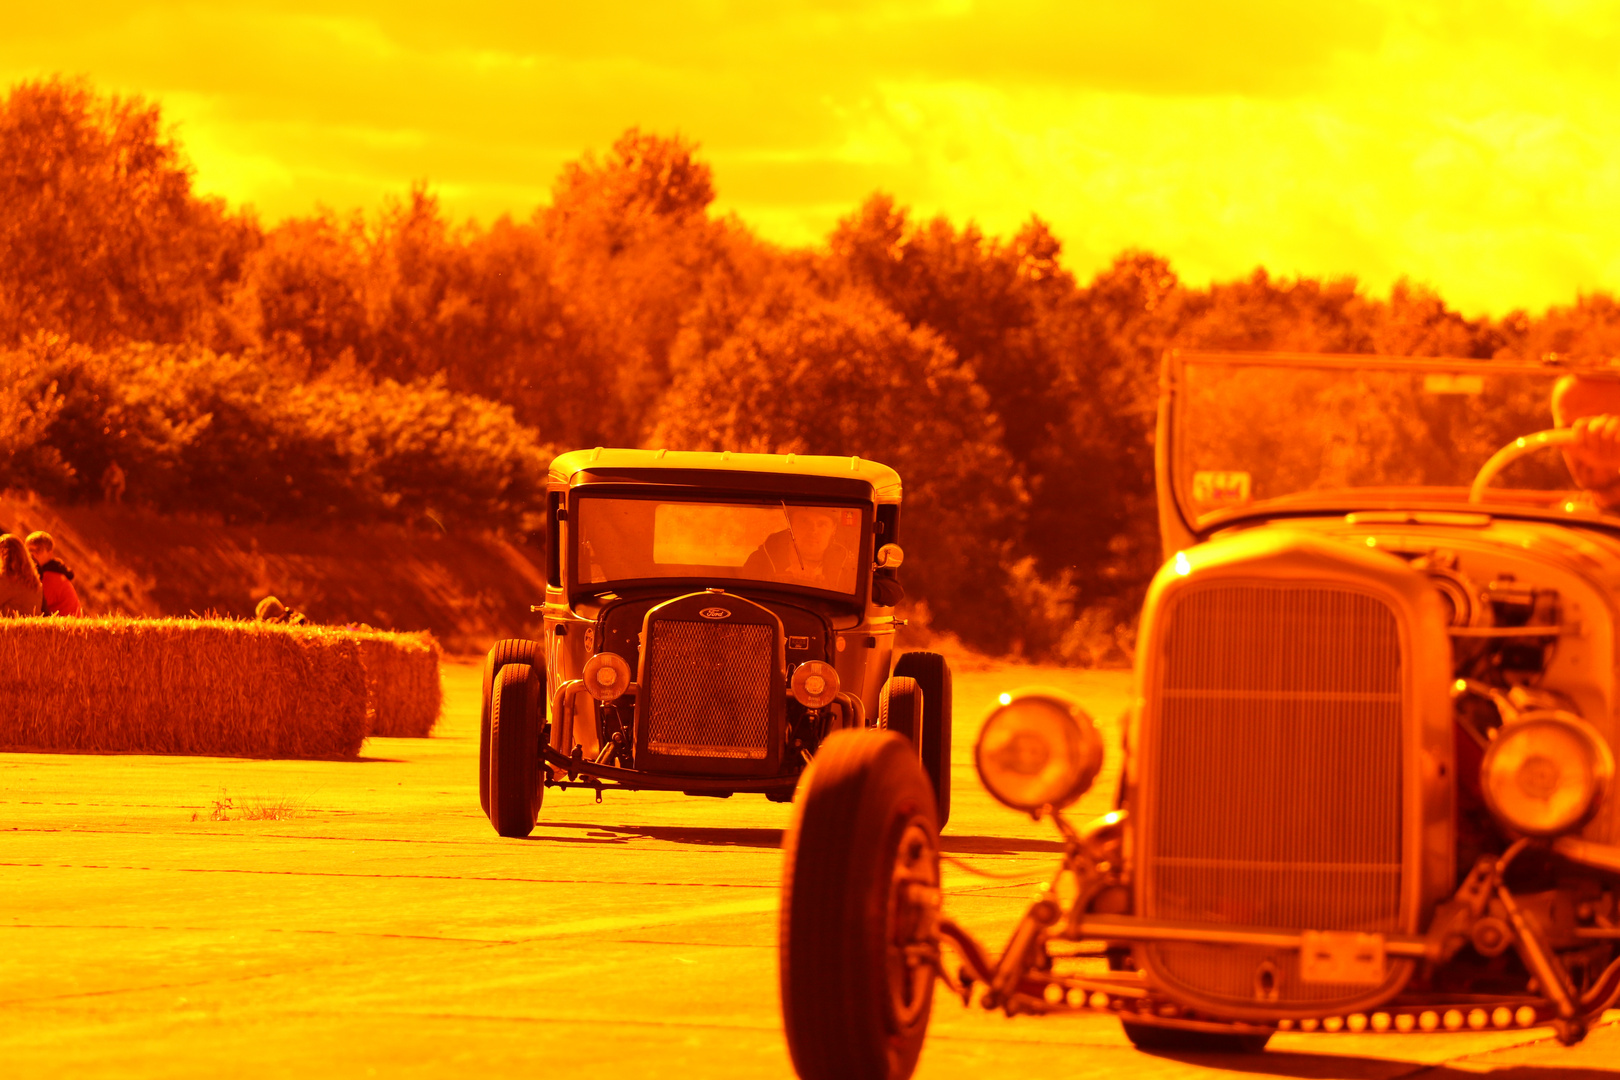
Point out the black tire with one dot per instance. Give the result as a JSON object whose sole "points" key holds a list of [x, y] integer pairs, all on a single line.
{"points": [[515, 789], [933, 675], [509, 651], [900, 708], [1153, 1038], [855, 1005]]}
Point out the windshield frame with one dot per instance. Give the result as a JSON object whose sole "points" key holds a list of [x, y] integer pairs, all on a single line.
{"points": [[1175, 506], [591, 590]]}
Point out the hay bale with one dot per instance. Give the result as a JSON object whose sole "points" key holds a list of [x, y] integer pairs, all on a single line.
{"points": [[403, 692], [180, 686]]}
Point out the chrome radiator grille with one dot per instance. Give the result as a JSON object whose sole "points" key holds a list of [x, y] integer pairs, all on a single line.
{"points": [[710, 690], [1277, 776]]}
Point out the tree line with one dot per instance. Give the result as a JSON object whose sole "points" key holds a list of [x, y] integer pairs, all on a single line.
{"points": [[166, 348]]}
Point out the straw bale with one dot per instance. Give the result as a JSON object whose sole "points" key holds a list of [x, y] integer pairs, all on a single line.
{"points": [[403, 692], [180, 686]]}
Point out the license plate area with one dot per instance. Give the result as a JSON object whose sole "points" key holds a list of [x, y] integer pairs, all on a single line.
{"points": [[1343, 957]]}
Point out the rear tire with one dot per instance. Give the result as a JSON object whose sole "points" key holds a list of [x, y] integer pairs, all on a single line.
{"points": [[515, 790], [900, 709], [933, 676], [509, 651], [1153, 1038], [860, 878]]}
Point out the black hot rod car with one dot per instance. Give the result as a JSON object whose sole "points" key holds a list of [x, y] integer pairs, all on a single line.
{"points": [[1366, 766], [709, 619]]}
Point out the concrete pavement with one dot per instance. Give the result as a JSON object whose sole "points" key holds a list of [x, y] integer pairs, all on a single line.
{"points": [[361, 918]]}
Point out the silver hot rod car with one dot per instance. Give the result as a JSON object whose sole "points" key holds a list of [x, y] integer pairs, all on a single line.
{"points": [[1365, 767], [709, 619]]}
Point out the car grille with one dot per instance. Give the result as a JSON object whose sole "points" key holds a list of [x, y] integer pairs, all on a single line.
{"points": [[710, 689], [1277, 778]]}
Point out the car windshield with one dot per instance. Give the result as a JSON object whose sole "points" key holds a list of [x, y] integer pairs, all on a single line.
{"points": [[625, 541], [1250, 433]]}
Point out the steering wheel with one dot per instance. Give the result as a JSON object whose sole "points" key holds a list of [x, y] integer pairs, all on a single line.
{"points": [[1512, 452]]}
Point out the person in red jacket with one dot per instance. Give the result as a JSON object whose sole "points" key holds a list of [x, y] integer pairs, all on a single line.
{"points": [[57, 579]]}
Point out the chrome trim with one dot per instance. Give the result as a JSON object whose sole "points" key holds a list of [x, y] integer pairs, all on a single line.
{"points": [[563, 702], [1588, 853], [1130, 928]]}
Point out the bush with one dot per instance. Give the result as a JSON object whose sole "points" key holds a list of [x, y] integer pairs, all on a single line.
{"points": [[186, 429]]}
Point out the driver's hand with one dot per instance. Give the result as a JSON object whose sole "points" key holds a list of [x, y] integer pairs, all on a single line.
{"points": [[1597, 441]]}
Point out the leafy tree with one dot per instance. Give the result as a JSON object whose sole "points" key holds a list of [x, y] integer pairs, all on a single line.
{"points": [[101, 236], [304, 294], [808, 375], [630, 244]]}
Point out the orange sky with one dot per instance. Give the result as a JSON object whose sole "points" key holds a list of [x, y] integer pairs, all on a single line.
{"points": [[1474, 146]]}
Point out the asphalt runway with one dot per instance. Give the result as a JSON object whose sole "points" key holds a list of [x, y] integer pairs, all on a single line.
{"points": [[226, 918]]}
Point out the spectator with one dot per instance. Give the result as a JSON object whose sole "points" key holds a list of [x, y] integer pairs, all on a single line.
{"points": [[20, 591], [112, 484], [55, 578], [272, 610]]}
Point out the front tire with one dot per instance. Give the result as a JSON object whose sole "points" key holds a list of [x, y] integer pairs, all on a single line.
{"points": [[515, 790], [1152, 1038], [900, 709], [507, 651], [860, 893], [933, 676]]}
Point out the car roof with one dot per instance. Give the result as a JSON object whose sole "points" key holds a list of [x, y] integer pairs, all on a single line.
{"points": [[815, 473]]}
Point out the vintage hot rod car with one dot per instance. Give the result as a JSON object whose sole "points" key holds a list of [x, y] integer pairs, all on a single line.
{"points": [[709, 619], [1365, 766]]}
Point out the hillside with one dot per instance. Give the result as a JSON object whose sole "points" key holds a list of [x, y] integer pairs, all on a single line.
{"points": [[466, 589]]}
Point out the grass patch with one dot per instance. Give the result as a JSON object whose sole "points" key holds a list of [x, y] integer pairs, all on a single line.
{"points": [[250, 808]]}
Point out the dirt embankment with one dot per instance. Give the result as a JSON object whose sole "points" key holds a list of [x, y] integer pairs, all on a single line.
{"points": [[466, 589]]}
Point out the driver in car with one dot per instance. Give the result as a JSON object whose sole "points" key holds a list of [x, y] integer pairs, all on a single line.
{"points": [[807, 552], [1591, 405]]}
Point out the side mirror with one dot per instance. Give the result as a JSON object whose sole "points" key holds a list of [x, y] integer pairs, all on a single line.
{"points": [[889, 555]]}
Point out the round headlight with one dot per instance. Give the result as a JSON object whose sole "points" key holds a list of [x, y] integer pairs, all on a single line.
{"points": [[815, 684], [606, 676], [1038, 749], [1545, 773]]}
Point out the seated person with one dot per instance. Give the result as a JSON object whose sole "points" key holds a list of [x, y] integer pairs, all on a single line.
{"points": [[55, 578], [1591, 405], [807, 552], [20, 592]]}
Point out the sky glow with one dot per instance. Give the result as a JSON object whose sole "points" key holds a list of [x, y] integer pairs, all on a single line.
{"points": [[1473, 146]]}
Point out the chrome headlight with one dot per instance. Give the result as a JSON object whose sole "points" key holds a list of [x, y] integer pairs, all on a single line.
{"points": [[607, 676], [1545, 773], [815, 684], [1038, 749]]}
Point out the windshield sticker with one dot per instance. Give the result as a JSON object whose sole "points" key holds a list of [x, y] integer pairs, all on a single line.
{"points": [[1453, 384], [1229, 488]]}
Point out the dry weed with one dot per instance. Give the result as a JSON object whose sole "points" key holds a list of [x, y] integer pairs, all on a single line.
{"points": [[251, 808]]}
